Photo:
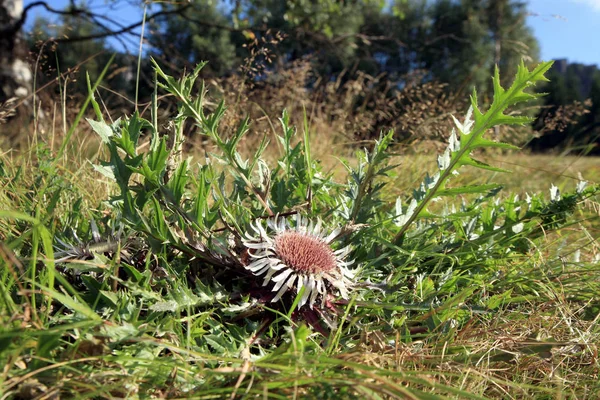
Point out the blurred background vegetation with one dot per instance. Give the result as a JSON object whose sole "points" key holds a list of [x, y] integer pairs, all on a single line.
{"points": [[358, 67]]}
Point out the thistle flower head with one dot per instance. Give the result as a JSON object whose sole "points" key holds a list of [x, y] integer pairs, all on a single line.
{"points": [[298, 256]]}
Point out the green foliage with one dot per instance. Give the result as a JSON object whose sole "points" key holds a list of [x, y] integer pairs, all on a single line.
{"points": [[446, 38], [469, 139], [198, 33], [454, 44]]}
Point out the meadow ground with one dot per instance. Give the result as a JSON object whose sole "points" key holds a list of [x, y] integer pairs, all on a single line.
{"points": [[498, 299]]}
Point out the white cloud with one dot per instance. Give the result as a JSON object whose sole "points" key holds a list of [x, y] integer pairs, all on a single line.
{"points": [[595, 4]]}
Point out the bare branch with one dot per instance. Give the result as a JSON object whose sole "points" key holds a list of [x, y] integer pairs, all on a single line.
{"points": [[11, 30]]}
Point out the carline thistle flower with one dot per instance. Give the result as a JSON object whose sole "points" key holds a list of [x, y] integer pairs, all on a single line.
{"points": [[298, 256]]}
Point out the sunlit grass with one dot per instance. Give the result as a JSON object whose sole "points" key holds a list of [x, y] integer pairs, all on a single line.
{"points": [[429, 322]]}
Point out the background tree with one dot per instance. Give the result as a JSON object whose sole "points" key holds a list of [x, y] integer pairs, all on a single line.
{"points": [[327, 30], [200, 32], [91, 55], [454, 44], [15, 76]]}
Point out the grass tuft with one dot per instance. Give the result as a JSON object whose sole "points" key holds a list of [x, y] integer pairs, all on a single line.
{"points": [[125, 273]]}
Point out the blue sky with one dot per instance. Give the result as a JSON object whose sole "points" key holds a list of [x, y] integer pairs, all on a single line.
{"points": [[564, 28], [567, 29]]}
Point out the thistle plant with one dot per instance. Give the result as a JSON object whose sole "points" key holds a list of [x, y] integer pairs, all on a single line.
{"points": [[469, 139], [301, 257], [287, 235]]}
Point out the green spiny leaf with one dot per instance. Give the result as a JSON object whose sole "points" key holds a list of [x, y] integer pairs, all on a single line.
{"points": [[178, 181]]}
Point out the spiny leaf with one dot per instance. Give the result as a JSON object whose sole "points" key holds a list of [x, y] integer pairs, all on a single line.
{"points": [[177, 183], [467, 189], [102, 129], [471, 135], [480, 164], [512, 120], [481, 142]]}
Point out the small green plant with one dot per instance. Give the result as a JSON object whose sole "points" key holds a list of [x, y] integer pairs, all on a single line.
{"points": [[201, 276], [210, 215]]}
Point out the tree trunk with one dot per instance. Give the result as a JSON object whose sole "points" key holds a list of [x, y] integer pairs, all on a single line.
{"points": [[15, 74]]}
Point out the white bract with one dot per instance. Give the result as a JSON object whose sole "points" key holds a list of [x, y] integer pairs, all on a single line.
{"points": [[298, 256]]}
